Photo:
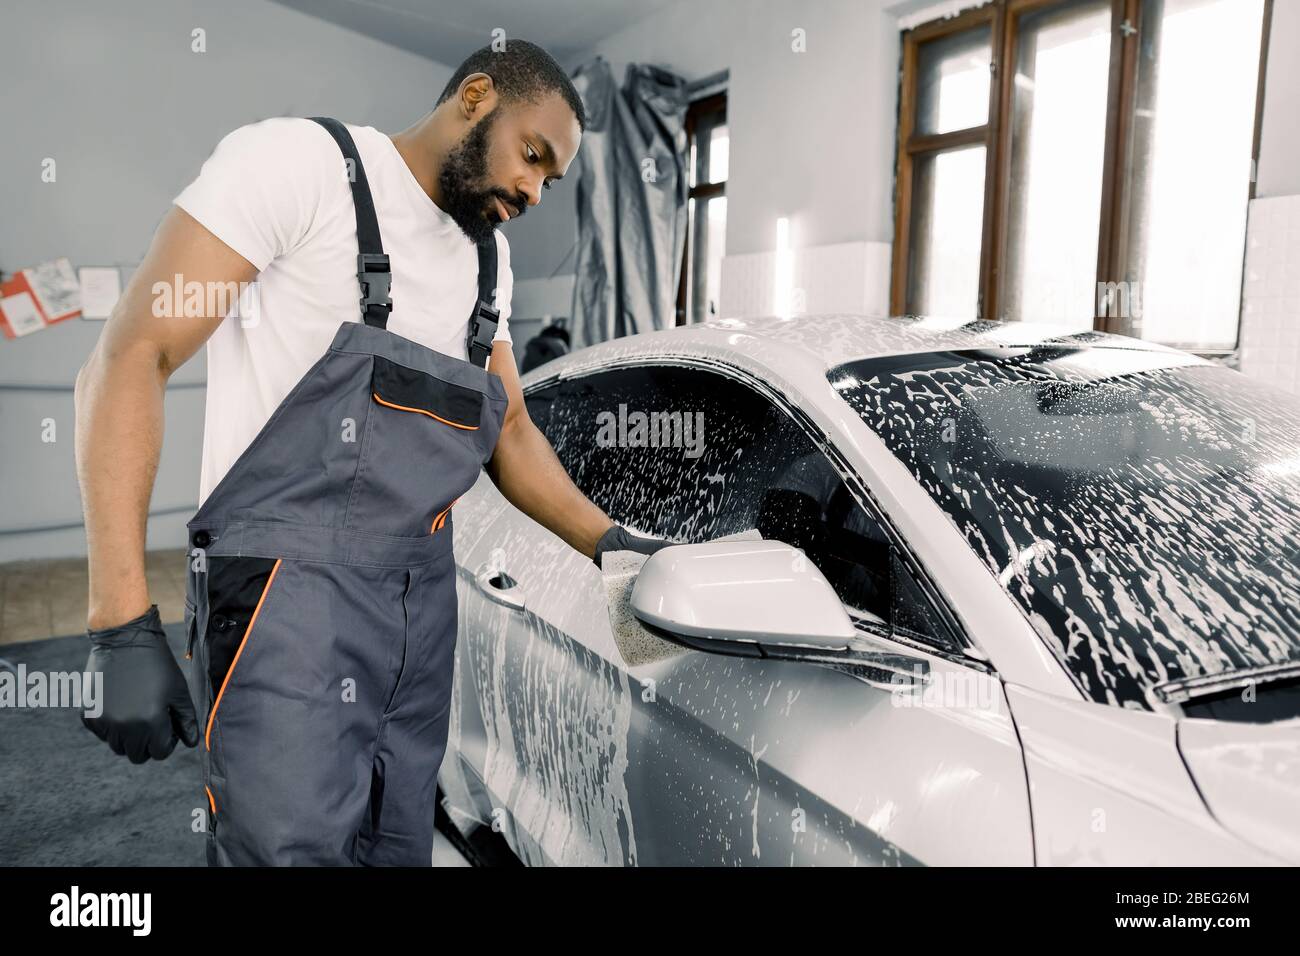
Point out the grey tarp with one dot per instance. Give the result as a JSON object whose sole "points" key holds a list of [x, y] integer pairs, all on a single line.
{"points": [[631, 201]]}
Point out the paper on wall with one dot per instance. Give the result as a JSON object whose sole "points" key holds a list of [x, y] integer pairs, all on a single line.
{"points": [[56, 289], [101, 287], [21, 313]]}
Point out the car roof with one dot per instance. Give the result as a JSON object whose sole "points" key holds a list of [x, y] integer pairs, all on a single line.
{"points": [[809, 344]]}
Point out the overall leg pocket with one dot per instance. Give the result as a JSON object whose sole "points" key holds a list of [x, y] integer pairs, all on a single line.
{"points": [[238, 588]]}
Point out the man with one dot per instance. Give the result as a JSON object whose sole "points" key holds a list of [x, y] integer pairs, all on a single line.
{"points": [[336, 588]]}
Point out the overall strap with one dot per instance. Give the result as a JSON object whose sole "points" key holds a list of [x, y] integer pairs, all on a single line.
{"points": [[373, 271], [483, 320]]}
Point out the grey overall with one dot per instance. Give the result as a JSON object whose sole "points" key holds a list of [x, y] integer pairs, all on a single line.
{"points": [[321, 593]]}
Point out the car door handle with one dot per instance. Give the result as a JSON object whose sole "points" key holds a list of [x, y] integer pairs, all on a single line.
{"points": [[500, 588]]}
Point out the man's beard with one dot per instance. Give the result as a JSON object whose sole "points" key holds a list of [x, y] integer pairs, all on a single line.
{"points": [[464, 168]]}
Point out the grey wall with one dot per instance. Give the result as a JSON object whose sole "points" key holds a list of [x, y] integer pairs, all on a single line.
{"points": [[113, 93]]}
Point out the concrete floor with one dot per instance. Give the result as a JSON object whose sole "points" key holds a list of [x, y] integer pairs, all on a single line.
{"points": [[444, 854], [42, 599]]}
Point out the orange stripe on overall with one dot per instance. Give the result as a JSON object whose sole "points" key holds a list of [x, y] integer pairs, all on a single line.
{"points": [[207, 736]]}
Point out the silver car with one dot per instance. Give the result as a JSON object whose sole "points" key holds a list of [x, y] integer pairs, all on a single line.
{"points": [[1021, 597]]}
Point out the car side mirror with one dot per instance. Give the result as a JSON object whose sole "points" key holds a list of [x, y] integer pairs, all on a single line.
{"points": [[734, 596]]}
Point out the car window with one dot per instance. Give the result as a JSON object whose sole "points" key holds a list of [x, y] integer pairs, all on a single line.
{"points": [[1141, 508], [690, 455]]}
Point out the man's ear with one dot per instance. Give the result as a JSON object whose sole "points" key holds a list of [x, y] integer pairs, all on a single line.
{"points": [[477, 95]]}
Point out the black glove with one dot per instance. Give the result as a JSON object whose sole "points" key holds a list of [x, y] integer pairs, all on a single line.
{"points": [[618, 538], [146, 702]]}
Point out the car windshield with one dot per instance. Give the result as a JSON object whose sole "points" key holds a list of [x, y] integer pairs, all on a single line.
{"points": [[1141, 507]]}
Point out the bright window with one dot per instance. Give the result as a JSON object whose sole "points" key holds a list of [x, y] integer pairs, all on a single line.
{"points": [[1081, 162]]}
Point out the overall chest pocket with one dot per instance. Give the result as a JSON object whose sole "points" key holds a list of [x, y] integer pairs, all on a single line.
{"points": [[423, 449], [408, 390]]}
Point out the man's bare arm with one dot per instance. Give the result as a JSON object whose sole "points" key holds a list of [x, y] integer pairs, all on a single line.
{"points": [[119, 407], [524, 467]]}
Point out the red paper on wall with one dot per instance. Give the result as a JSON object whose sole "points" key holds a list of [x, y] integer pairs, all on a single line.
{"points": [[20, 313]]}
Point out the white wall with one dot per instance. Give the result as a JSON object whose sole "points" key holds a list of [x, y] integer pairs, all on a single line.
{"points": [[1270, 320], [1279, 142], [113, 93], [812, 134]]}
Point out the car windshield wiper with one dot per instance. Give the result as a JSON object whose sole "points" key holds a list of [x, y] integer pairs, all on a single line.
{"points": [[1190, 688]]}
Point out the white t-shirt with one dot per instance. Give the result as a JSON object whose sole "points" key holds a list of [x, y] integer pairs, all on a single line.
{"points": [[277, 193]]}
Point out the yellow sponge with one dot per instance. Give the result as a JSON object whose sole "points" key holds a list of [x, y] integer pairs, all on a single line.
{"points": [[634, 642]]}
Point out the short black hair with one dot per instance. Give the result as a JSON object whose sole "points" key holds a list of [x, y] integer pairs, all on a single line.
{"points": [[522, 72], [556, 332]]}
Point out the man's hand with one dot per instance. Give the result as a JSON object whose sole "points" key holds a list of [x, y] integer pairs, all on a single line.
{"points": [[146, 706], [524, 467], [619, 538]]}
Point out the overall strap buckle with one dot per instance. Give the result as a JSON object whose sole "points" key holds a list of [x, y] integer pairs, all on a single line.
{"points": [[376, 278], [482, 329], [484, 319]]}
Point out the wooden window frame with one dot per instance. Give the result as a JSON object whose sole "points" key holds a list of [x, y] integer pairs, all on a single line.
{"points": [[1003, 16], [715, 103], [911, 145]]}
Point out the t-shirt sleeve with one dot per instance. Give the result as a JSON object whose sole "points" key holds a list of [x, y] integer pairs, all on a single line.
{"points": [[505, 289], [259, 190]]}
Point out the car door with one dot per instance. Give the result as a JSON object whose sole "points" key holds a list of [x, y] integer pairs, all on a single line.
{"points": [[656, 754], [461, 774]]}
